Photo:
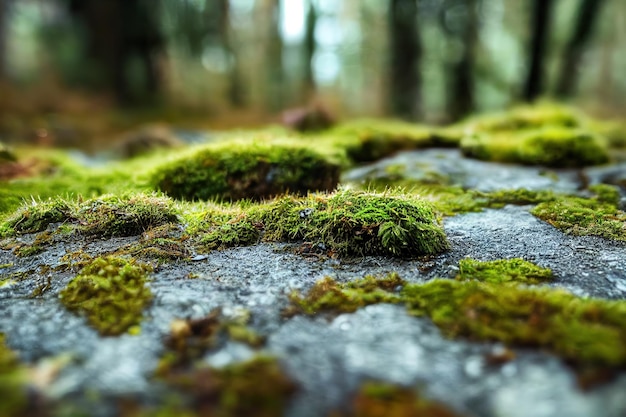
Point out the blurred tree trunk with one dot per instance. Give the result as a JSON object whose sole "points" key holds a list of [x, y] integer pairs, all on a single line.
{"points": [[461, 69], [273, 58], [4, 6], [125, 41], [405, 49], [541, 15], [568, 75], [309, 49]]}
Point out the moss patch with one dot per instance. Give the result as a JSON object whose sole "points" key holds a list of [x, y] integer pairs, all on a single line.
{"points": [[503, 270], [378, 399], [597, 216], [12, 383], [105, 216], [549, 146], [255, 388], [111, 293], [328, 295], [354, 223], [234, 171], [586, 332], [368, 140]]}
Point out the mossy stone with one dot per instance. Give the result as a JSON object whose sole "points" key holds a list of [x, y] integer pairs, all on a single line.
{"points": [[246, 171]]}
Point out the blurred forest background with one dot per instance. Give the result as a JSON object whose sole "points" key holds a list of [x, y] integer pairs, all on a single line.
{"points": [[221, 63]]}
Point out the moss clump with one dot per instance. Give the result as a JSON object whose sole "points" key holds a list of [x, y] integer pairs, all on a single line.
{"points": [[354, 223], [255, 171], [378, 399], [106, 216], [329, 295], [501, 271], [580, 216], [549, 146], [368, 140], [256, 388], [12, 383], [42, 240], [586, 332], [36, 216], [526, 117], [111, 292], [125, 215]]}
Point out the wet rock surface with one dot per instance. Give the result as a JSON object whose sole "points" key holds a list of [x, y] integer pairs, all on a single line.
{"points": [[330, 357]]}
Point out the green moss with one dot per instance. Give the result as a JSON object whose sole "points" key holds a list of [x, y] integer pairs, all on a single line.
{"points": [[105, 216], [12, 383], [234, 171], [548, 146], [354, 223], [328, 295], [586, 332], [580, 216], [368, 140], [378, 399], [255, 388], [111, 292], [526, 117], [36, 216], [503, 270]]}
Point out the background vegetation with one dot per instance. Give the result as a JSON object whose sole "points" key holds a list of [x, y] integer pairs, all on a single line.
{"points": [[242, 62]]}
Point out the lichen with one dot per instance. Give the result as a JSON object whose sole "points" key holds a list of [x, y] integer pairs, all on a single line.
{"points": [[501, 271], [111, 292], [379, 399], [234, 171]]}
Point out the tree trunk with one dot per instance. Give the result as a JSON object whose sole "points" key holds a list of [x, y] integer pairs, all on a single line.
{"points": [[405, 49], [273, 60], [568, 76], [534, 84], [461, 93], [309, 49]]}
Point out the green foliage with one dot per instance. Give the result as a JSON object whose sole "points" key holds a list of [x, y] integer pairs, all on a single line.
{"points": [[111, 292], [503, 270], [12, 383], [234, 171], [36, 216]]}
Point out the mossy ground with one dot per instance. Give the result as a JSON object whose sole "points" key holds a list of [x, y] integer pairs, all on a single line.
{"points": [[585, 332], [111, 292]]}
